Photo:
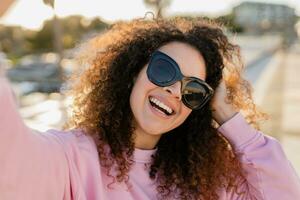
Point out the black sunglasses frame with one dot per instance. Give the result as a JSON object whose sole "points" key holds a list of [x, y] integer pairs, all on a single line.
{"points": [[178, 77]]}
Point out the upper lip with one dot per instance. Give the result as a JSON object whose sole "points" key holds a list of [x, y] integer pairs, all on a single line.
{"points": [[164, 101]]}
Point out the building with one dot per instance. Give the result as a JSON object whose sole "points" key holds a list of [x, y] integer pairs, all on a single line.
{"points": [[257, 17]]}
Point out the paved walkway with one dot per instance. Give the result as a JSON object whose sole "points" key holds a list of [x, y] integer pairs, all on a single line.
{"points": [[278, 93], [253, 48]]}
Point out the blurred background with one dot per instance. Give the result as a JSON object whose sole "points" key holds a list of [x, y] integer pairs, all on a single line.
{"points": [[38, 39]]}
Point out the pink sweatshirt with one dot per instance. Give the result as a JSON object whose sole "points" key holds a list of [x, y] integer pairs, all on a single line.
{"points": [[58, 165]]}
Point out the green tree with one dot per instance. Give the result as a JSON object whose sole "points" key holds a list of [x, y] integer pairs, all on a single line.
{"points": [[13, 40], [229, 22], [74, 28], [97, 24]]}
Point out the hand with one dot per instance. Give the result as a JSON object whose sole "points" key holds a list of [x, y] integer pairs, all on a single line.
{"points": [[222, 109]]}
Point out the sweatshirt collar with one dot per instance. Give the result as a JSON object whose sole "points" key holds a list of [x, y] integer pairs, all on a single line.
{"points": [[143, 156]]}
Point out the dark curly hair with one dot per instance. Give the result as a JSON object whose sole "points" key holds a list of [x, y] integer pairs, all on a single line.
{"points": [[197, 163]]}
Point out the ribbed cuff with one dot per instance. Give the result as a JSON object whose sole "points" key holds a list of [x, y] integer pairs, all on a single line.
{"points": [[237, 131]]}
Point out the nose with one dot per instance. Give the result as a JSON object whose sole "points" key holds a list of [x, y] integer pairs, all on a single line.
{"points": [[174, 90]]}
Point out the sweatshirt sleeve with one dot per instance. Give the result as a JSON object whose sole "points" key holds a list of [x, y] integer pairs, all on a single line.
{"points": [[269, 174], [32, 165]]}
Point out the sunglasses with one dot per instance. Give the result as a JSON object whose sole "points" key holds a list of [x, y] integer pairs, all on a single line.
{"points": [[164, 71]]}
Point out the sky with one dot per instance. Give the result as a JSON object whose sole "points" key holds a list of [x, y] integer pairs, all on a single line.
{"points": [[32, 13]]}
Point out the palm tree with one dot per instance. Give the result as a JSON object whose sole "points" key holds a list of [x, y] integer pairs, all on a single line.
{"points": [[159, 6], [57, 35]]}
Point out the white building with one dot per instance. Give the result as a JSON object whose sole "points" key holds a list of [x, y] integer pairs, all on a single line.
{"points": [[256, 17]]}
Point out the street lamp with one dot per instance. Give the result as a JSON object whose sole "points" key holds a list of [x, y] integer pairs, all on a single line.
{"points": [[158, 5]]}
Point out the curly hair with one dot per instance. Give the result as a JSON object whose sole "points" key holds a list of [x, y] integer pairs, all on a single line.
{"points": [[194, 165]]}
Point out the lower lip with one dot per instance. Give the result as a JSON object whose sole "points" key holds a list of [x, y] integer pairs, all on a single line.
{"points": [[156, 112]]}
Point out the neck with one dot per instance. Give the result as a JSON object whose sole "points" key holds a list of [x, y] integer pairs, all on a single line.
{"points": [[145, 140]]}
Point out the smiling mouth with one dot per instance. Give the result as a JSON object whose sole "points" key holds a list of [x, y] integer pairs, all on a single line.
{"points": [[160, 106]]}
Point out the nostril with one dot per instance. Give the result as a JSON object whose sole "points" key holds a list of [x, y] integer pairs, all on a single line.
{"points": [[173, 92], [168, 90]]}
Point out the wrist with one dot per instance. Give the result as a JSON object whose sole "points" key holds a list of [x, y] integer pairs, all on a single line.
{"points": [[223, 113]]}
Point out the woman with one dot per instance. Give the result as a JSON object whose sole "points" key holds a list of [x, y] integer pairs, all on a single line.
{"points": [[151, 119]]}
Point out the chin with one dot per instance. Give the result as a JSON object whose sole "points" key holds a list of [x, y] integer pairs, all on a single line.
{"points": [[153, 129]]}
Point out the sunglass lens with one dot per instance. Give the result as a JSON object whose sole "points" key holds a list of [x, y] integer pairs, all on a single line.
{"points": [[194, 94], [162, 72]]}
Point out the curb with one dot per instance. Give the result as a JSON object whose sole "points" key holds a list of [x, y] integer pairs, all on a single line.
{"points": [[266, 77]]}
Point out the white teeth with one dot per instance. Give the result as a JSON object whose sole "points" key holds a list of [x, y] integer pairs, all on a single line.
{"points": [[160, 104]]}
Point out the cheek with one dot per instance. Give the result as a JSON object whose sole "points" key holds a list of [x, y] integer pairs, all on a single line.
{"points": [[184, 113], [139, 92], [140, 88]]}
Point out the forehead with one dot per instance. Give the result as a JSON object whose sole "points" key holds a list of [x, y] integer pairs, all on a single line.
{"points": [[190, 60]]}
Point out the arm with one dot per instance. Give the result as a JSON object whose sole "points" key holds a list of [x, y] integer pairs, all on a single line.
{"points": [[11, 123], [269, 174], [32, 165]]}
